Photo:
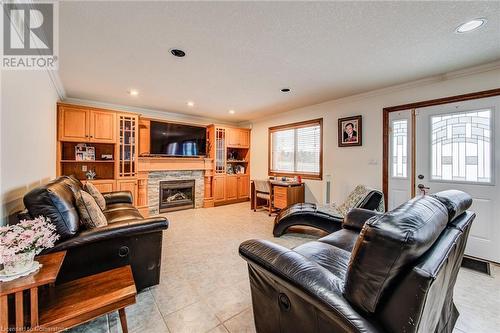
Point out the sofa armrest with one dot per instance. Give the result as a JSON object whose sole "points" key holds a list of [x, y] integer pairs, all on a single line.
{"points": [[307, 279], [118, 197], [356, 218], [114, 230]]}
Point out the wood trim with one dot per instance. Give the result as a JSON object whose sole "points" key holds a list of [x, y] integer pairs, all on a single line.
{"points": [[445, 100], [422, 104], [290, 126], [413, 152]]}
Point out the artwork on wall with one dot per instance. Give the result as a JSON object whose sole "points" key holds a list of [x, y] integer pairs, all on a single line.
{"points": [[350, 131]]}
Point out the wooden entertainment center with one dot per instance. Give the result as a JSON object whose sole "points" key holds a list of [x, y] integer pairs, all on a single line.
{"points": [[122, 162]]}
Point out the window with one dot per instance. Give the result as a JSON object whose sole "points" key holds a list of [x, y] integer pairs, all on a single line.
{"points": [[400, 148], [461, 146], [296, 149]]}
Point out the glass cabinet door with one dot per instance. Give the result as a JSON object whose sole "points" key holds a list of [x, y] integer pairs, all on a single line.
{"points": [[128, 146], [220, 150]]}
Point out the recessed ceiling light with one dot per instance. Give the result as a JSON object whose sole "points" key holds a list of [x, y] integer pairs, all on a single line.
{"points": [[177, 53], [471, 25], [133, 92], [231, 111], [190, 104], [285, 90]]}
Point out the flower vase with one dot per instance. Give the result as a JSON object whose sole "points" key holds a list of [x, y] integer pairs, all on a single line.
{"points": [[22, 263]]}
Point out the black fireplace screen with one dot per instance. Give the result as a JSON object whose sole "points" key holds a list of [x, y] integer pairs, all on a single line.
{"points": [[176, 195]]}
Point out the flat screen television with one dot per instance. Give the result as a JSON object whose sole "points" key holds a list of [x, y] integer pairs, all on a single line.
{"points": [[171, 139]]}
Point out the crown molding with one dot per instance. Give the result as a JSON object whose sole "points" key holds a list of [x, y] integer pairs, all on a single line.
{"points": [[153, 113]]}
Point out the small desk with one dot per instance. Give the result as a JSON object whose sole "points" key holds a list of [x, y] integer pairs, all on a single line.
{"points": [[287, 193], [284, 193]]}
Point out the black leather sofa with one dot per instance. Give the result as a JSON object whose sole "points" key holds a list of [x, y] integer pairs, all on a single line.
{"points": [[394, 273], [312, 215], [128, 239]]}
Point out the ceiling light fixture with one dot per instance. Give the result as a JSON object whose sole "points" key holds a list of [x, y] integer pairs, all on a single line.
{"points": [[190, 104], [177, 53], [470, 25], [285, 90], [231, 111], [133, 92]]}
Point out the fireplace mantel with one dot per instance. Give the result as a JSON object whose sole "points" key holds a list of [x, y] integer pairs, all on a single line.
{"points": [[149, 164], [174, 163]]}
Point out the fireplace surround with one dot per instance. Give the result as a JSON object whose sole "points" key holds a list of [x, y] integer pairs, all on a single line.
{"points": [[176, 195]]}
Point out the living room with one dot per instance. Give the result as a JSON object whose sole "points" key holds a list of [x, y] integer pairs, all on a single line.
{"points": [[250, 166]]}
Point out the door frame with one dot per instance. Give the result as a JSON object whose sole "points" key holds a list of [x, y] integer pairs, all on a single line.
{"points": [[413, 106]]}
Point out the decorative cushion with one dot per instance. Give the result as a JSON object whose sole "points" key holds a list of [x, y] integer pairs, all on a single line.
{"points": [[91, 216], [56, 201], [388, 244], [94, 192]]}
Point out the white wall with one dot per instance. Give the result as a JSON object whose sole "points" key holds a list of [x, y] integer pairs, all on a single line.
{"points": [[28, 135], [362, 165]]}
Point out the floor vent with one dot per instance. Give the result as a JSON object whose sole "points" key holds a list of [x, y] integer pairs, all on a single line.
{"points": [[477, 265]]}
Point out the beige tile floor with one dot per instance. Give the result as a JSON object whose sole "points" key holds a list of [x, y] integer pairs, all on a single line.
{"points": [[204, 284]]}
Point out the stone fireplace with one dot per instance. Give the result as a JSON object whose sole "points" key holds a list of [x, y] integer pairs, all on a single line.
{"points": [[162, 185], [176, 195]]}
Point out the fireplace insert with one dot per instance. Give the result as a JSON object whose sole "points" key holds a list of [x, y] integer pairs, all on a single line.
{"points": [[176, 195]]}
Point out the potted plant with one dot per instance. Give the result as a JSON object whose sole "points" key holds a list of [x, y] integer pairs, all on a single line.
{"points": [[20, 243]]}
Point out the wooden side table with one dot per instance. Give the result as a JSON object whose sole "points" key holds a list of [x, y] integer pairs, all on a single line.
{"points": [[68, 304], [51, 264]]}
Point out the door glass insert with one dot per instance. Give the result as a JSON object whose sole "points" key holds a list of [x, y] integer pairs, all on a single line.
{"points": [[400, 148], [461, 146]]}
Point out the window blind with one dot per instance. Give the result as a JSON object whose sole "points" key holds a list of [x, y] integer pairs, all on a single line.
{"points": [[295, 149]]}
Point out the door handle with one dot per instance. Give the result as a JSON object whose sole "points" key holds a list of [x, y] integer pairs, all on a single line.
{"points": [[423, 188]]}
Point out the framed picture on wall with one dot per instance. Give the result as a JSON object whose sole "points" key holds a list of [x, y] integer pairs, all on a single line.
{"points": [[350, 131]]}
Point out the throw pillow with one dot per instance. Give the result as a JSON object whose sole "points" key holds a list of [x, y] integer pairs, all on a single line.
{"points": [[94, 192], [91, 216]]}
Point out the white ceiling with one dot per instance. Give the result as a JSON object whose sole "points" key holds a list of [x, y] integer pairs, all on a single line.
{"points": [[240, 54]]}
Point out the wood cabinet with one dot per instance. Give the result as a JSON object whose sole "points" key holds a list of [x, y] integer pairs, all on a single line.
{"points": [[238, 138], [128, 185], [243, 186], [73, 124], [231, 187], [230, 149], [104, 185], [102, 126], [112, 135], [219, 188], [79, 124]]}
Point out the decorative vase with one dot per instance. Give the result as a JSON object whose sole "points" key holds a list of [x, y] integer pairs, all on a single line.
{"points": [[23, 262]]}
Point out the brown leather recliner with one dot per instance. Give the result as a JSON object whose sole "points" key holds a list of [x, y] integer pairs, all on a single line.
{"points": [[391, 272], [128, 239]]}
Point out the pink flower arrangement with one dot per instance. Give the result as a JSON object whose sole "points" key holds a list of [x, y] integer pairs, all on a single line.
{"points": [[26, 236]]}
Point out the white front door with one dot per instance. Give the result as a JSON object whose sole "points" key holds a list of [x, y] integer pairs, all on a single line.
{"points": [[456, 149], [399, 158]]}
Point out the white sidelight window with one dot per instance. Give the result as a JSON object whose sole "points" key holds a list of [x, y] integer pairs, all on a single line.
{"points": [[400, 148]]}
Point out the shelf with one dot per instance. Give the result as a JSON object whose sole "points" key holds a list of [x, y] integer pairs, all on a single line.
{"points": [[236, 161], [95, 161]]}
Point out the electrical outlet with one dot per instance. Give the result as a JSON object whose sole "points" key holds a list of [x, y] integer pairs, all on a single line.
{"points": [[84, 168]]}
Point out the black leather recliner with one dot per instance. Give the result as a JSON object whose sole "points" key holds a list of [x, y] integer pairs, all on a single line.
{"points": [[394, 273], [312, 215], [128, 239]]}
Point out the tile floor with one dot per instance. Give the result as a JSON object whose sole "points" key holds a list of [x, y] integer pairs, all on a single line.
{"points": [[204, 285]]}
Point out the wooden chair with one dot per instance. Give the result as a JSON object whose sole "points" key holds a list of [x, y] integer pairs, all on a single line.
{"points": [[262, 190]]}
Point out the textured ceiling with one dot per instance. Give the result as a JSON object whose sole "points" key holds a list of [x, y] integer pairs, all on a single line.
{"points": [[240, 54]]}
